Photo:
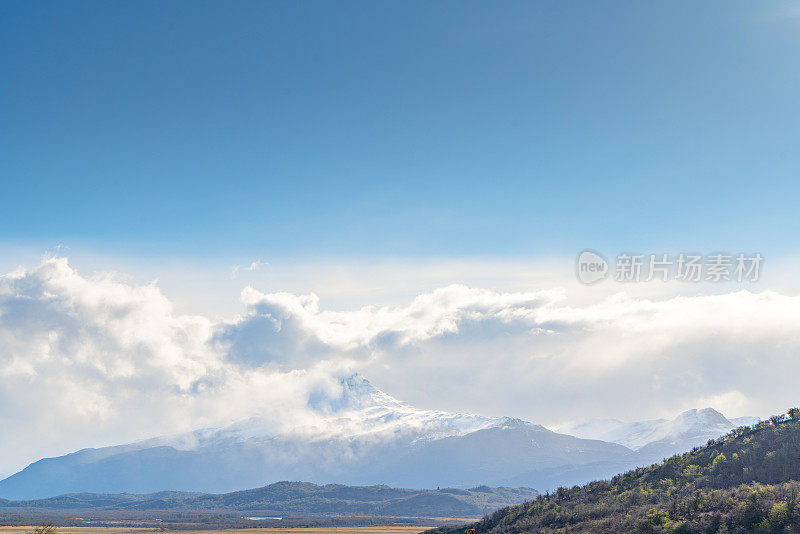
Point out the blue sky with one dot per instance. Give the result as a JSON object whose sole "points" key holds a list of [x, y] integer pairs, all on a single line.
{"points": [[417, 171], [408, 129]]}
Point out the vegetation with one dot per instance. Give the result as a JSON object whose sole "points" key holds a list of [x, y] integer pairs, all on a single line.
{"points": [[306, 498], [290, 498], [745, 481]]}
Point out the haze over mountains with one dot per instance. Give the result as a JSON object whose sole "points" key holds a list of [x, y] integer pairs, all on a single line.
{"points": [[366, 437], [660, 437]]}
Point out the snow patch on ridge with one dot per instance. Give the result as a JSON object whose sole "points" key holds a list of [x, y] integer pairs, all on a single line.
{"points": [[354, 408], [635, 435]]}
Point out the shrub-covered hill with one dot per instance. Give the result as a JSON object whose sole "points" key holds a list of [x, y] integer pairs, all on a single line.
{"points": [[745, 481]]}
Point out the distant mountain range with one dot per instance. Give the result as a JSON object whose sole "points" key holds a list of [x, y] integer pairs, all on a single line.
{"points": [[660, 438], [291, 498], [368, 438]]}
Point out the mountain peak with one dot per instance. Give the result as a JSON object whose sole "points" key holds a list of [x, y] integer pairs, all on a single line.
{"points": [[705, 417], [687, 429], [516, 423], [353, 392]]}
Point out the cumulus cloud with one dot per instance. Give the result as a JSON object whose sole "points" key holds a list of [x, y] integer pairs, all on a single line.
{"points": [[621, 357], [284, 328], [94, 360], [88, 361]]}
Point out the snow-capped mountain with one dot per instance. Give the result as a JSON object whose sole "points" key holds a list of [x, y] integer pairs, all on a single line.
{"points": [[660, 437], [744, 421], [356, 409], [359, 435]]}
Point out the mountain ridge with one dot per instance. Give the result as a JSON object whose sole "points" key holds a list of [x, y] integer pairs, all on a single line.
{"points": [[362, 437]]}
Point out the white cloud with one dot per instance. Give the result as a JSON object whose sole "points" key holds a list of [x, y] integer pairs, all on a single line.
{"points": [[93, 360], [282, 327], [256, 265], [87, 361]]}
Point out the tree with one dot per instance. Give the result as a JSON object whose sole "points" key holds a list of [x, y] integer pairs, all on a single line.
{"points": [[44, 529], [777, 419]]}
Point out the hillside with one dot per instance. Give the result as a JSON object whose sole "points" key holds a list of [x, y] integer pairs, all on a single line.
{"points": [[295, 498], [745, 481]]}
